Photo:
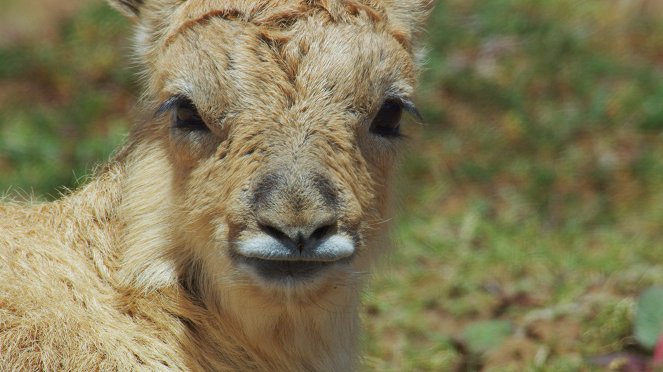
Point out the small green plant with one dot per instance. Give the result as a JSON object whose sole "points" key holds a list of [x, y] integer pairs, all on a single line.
{"points": [[648, 327], [483, 336]]}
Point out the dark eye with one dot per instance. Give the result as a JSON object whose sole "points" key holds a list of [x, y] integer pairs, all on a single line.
{"points": [[187, 117], [387, 122]]}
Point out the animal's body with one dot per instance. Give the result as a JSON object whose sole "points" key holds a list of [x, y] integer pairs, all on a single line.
{"points": [[235, 228]]}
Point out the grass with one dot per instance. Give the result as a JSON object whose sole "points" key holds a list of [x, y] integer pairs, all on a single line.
{"points": [[533, 198], [63, 104]]}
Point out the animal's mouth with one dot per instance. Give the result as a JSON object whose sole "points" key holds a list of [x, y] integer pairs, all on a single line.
{"points": [[278, 270], [274, 260]]}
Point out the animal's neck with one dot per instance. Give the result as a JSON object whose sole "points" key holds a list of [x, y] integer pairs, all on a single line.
{"points": [[290, 335]]}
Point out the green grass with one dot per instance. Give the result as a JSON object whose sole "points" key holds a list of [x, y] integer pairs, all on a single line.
{"points": [[63, 105], [534, 195]]}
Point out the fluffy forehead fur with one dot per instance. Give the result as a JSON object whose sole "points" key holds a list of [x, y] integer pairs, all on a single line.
{"points": [[163, 19], [333, 71], [210, 49]]}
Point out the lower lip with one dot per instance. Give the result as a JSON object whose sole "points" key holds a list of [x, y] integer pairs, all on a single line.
{"points": [[278, 270]]}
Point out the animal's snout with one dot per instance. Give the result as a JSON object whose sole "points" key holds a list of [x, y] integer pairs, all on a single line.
{"points": [[296, 208], [297, 215]]}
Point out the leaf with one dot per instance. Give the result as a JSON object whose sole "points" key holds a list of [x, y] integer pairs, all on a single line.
{"points": [[649, 317], [482, 336]]}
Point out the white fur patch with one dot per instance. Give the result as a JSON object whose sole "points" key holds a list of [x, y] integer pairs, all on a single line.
{"points": [[329, 249]]}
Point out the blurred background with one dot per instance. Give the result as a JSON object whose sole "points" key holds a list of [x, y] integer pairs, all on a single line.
{"points": [[531, 201]]}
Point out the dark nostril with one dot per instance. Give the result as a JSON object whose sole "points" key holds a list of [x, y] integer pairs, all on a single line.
{"points": [[322, 231], [298, 237], [274, 232]]}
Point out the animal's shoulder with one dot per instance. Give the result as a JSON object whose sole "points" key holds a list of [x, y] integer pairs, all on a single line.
{"points": [[58, 310]]}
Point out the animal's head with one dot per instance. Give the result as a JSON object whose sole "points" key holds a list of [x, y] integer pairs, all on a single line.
{"points": [[281, 123]]}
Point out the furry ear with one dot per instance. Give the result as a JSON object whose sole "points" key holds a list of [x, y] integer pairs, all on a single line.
{"points": [[410, 16], [130, 8]]}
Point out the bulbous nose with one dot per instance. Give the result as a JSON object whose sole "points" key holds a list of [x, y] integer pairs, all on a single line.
{"points": [[297, 208], [300, 237]]}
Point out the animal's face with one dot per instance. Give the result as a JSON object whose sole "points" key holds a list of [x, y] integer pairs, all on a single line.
{"points": [[283, 135]]}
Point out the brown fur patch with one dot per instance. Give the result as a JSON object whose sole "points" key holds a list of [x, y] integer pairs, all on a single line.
{"points": [[280, 18]]}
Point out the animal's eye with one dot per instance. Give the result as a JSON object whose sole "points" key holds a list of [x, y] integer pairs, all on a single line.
{"points": [[187, 117], [387, 122]]}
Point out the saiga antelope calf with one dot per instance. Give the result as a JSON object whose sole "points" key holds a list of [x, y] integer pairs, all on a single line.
{"points": [[234, 229]]}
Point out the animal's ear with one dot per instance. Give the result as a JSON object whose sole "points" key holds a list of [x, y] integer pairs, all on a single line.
{"points": [[409, 16], [130, 8]]}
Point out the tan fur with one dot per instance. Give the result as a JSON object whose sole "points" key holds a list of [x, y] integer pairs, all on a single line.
{"points": [[134, 270]]}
